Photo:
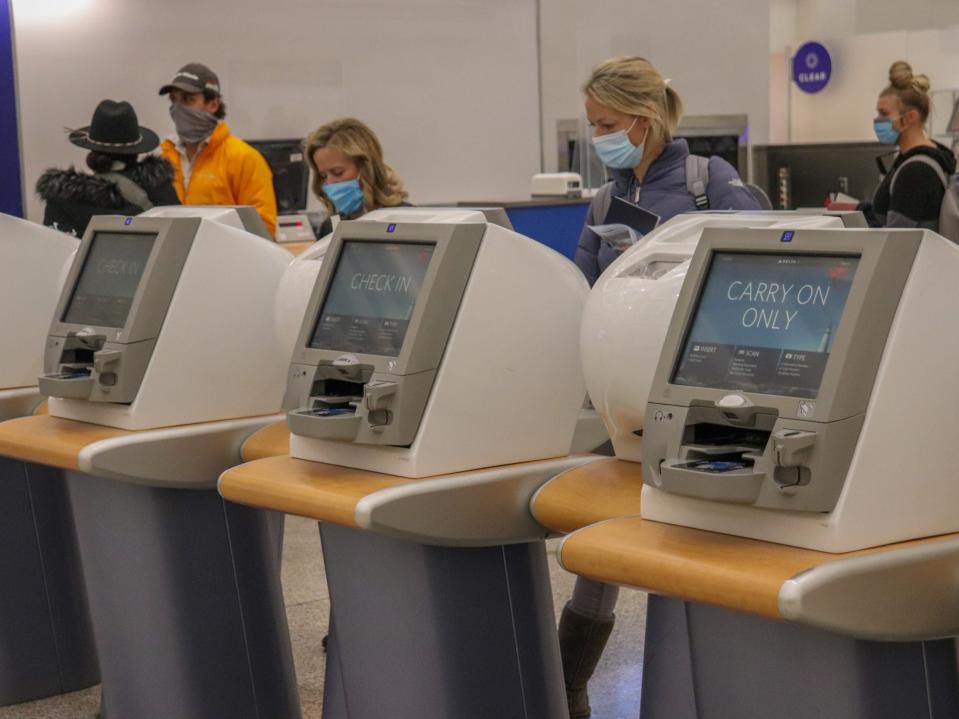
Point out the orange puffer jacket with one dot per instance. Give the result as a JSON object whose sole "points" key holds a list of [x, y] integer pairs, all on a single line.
{"points": [[226, 172]]}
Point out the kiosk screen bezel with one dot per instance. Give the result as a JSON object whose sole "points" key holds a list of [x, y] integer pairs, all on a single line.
{"points": [[885, 260], [455, 247], [158, 281]]}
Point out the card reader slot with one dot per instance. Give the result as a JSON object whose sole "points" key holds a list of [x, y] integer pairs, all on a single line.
{"points": [[719, 436]]}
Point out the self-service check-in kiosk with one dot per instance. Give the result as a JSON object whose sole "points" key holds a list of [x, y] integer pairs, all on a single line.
{"points": [[801, 405], [161, 359], [628, 311], [46, 639], [793, 398], [377, 380], [434, 387]]}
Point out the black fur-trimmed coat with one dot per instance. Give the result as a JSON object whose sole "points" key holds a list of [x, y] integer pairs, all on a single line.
{"points": [[73, 197]]}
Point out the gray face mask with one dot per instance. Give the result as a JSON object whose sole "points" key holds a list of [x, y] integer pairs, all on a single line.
{"points": [[193, 126]]}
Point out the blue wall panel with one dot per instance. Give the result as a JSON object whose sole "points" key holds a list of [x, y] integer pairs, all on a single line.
{"points": [[11, 191]]}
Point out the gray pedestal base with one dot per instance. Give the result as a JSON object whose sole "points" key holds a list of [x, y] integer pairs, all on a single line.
{"points": [[46, 639], [424, 632], [186, 601], [703, 662]]}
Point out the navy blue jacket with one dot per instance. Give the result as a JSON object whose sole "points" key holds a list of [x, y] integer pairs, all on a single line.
{"points": [[664, 192]]}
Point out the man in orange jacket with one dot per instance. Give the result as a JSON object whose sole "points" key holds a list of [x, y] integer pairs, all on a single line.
{"points": [[212, 166]]}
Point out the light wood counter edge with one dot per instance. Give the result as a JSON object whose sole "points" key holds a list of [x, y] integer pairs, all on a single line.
{"points": [[324, 492], [51, 441], [271, 441], [561, 505], [296, 248], [737, 573]]}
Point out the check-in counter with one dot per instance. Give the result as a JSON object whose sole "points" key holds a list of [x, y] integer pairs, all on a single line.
{"points": [[46, 639], [794, 524], [162, 358], [426, 408]]}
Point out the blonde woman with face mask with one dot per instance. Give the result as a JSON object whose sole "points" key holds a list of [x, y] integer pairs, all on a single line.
{"points": [[911, 193], [634, 113], [350, 176]]}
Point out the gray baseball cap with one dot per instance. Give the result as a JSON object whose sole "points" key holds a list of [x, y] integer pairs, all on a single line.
{"points": [[193, 77]]}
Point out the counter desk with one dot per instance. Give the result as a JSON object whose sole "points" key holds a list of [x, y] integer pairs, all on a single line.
{"points": [[163, 584], [788, 632], [439, 586]]}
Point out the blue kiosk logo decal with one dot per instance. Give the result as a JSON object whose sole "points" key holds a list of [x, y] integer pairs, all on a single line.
{"points": [[812, 67]]}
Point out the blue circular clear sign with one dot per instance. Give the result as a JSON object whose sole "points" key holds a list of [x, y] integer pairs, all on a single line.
{"points": [[812, 67]]}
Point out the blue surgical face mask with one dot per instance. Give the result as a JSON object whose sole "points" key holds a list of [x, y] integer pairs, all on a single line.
{"points": [[347, 197], [616, 151], [885, 132]]}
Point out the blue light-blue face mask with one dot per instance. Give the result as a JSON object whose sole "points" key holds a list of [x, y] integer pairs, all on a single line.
{"points": [[616, 151], [885, 132], [347, 197]]}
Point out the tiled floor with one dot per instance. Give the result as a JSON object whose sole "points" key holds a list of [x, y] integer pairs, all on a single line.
{"points": [[615, 689]]}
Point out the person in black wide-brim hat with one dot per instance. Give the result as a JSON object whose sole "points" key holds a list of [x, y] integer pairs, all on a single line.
{"points": [[121, 184]]}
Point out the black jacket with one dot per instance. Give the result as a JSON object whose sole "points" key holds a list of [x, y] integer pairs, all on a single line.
{"points": [[918, 190], [73, 197]]}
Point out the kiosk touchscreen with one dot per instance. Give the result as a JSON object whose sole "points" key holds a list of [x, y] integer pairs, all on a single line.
{"points": [[164, 321], [804, 392], [436, 346], [628, 311]]}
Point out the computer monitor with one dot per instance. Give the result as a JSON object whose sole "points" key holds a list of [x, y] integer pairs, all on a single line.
{"points": [[291, 175]]}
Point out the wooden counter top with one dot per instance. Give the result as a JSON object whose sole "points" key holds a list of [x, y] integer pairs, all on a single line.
{"points": [[271, 441], [52, 441], [589, 494], [296, 248], [733, 572], [326, 492]]}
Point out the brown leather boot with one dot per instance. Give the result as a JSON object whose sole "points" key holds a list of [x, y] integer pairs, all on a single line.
{"points": [[581, 643]]}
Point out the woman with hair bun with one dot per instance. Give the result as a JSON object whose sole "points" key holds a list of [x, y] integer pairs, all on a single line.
{"points": [[634, 113], [911, 193]]}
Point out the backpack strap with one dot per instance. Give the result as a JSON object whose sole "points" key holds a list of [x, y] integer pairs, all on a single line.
{"points": [[601, 202], [925, 160], [697, 180], [131, 191]]}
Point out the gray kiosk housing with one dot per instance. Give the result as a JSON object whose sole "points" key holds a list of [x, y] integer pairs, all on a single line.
{"points": [[379, 399], [786, 451], [99, 346]]}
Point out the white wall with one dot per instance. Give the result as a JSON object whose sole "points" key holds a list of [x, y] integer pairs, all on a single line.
{"points": [[716, 53], [450, 86], [864, 37]]}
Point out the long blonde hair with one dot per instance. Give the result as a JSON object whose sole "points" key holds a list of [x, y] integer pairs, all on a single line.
{"points": [[381, 185], [911, 90], [632, 85]]}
